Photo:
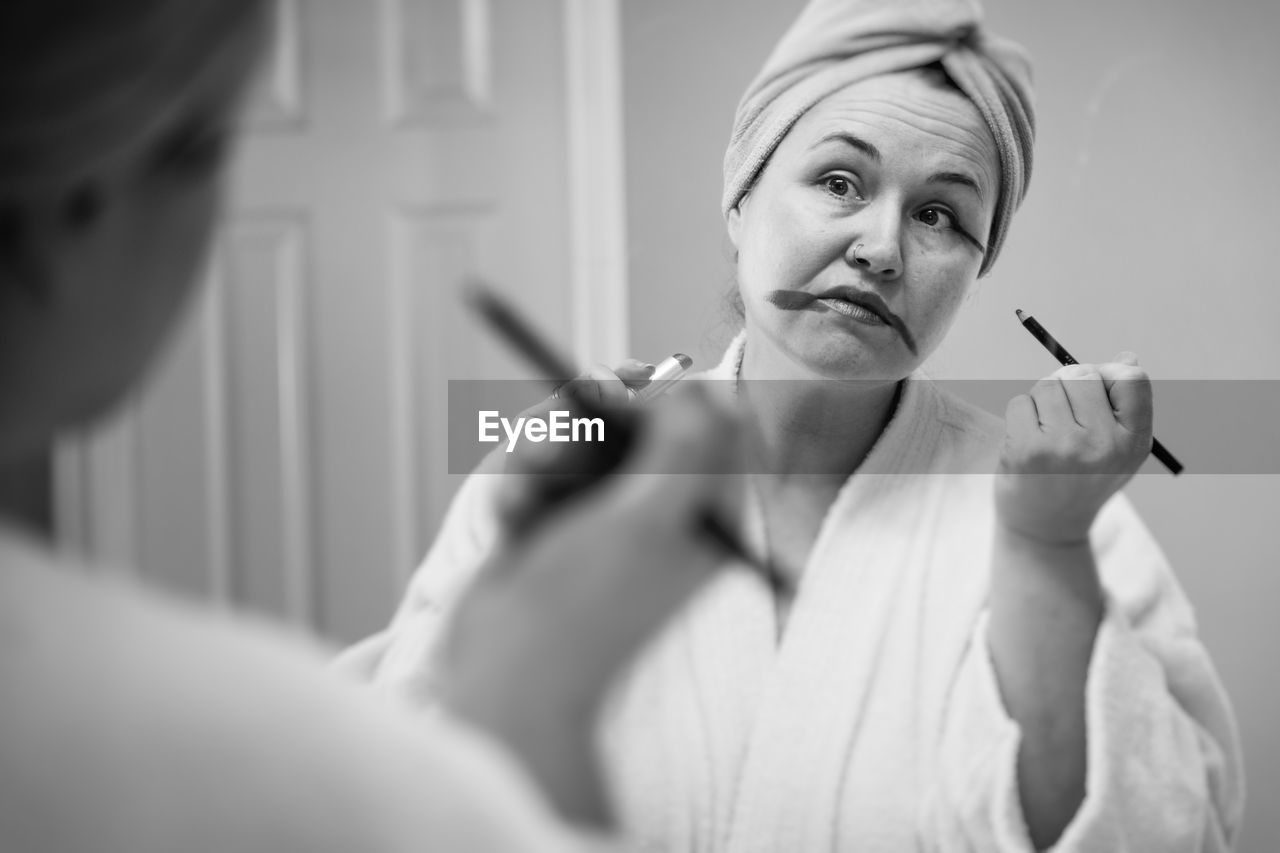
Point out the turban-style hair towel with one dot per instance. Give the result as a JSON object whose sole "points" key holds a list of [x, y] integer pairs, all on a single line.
{"points": [[83, 80], [838, 42]]}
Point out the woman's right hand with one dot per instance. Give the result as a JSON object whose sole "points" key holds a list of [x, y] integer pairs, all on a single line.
{"points": [[1071, 443]]}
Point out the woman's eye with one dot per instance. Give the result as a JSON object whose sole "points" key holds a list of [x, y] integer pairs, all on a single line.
{"points": [[936, 217], [839, 185]]}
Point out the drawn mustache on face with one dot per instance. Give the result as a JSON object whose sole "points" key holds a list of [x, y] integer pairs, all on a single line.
{"points": [[798, 300]]}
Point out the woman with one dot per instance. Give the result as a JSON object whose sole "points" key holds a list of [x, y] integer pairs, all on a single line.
{"points": [[132, 723], [981, 653]]}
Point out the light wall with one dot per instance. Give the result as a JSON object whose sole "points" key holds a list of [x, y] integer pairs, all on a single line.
{"points": [[1151, 225]]}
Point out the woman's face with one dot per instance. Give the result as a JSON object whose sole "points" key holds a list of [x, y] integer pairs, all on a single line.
{"points": [[865, 231]]}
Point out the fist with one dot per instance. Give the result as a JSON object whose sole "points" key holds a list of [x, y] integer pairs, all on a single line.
{"points": [[539, 473], [1070, 444], [569, 604]]}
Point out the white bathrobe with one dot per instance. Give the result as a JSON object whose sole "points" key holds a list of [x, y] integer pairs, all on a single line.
{"points": [[876, 723]]}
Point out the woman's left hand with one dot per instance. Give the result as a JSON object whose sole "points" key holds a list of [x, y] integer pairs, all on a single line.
{"points": [[1070, 444]]}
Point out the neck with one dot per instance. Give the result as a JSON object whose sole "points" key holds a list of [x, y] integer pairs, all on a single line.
{"points": [[811, 426]]}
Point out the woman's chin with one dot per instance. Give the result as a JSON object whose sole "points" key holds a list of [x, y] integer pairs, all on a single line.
{"points": [[818, 354], [853, 361]]}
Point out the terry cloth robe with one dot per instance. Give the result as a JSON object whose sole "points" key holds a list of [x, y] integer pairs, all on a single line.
{"points": [[134, 724], [876, 723]]}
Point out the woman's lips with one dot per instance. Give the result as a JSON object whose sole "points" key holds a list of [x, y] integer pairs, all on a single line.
{"points": [[851, 309], [860, 305]]}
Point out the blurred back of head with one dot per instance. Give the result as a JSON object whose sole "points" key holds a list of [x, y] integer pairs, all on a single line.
{"points": [[115, 121], [82, 81]]}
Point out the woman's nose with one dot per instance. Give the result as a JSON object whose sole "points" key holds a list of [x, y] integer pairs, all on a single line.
{"points": [[876, 247]]}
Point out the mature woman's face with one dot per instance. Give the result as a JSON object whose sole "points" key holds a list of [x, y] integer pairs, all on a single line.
{"points": [[878, 202]]}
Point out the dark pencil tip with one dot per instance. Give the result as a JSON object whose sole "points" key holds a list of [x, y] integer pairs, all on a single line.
{"points": [[476, 292], [1021, 316]]}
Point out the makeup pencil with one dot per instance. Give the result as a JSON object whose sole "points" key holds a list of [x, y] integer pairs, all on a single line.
{"points": [[513, 328], [1041, 334]]}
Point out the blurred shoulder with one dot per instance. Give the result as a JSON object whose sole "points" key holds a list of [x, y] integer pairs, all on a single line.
{"points": [[149, 724]]}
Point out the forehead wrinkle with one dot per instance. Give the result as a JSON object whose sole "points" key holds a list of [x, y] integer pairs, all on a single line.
{"points": [[975, 138], [850, 140], [970, 144]]}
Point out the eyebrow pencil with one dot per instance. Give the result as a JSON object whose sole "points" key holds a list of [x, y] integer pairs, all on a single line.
{"points": [[1058, 351], [509, 325]]}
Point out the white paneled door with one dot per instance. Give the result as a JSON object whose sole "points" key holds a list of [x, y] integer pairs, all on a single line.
{"points": [[290, 454]]}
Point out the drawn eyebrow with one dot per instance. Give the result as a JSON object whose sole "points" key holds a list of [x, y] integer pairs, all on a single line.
{"points": [[850, 140], [959, 179]]}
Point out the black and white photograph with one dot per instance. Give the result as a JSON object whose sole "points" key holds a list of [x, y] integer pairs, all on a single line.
{"points": [[705, 426]]}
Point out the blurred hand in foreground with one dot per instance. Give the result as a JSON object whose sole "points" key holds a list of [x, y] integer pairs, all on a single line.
{"points": [[568, 601]]}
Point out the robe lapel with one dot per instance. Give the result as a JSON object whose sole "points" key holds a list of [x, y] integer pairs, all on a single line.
{"points": [[751, 743], [812, 706]]}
